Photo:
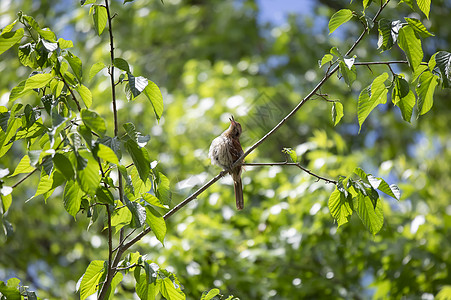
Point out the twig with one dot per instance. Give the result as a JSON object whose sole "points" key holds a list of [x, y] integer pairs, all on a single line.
{"points": [[70, 91], [324, 97], [126, 268], [390, 62], [23, 179], [124, 239], [292, 164]]}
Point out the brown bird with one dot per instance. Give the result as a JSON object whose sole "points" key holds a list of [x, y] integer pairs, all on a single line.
{"points": [[224, 151]]}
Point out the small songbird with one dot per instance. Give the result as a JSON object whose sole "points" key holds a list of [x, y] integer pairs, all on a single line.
{"points": [[224, 151]]}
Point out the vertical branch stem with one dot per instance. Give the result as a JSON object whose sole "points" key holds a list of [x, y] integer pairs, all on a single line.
{"points": [[110, 272]]}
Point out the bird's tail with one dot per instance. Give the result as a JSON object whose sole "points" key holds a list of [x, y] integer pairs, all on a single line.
{"points": [[238, 192]]}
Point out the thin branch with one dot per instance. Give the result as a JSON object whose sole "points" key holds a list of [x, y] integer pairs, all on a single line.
{"points": [[124, 239], [324, 97], [70, 91], [23, 179], [327, 180], [126, 268], [109, 275], [390, 62], [32, 172], [112, 264]]}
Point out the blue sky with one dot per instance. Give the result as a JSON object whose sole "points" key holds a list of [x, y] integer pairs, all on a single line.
{"points": [[276, 11]]}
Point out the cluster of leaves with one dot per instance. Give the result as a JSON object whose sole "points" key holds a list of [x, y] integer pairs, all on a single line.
{"points": [[150, 279], [425, 76], [69, 146], [361, 196], [13, 290]]}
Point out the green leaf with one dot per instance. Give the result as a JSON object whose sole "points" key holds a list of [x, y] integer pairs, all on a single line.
{"points": [[45, 184], [403, 97], [153, 93], [443, 62], [72, 197], [75, 64], [156, 223], [112, 143], [140, 158], [19, 91], [85, 94], [388, 33], [145, 290], [100, 18], [38, 81], [371, 217], [326, 58], [104, 195], [349, 74], [5, 199], [88, 176], [425, 6], [411, 45], [163, 191], [336, 52], [151, 199], [91, 278], [291, 153], [381, 185], [27, 56], [96, 68], [366, 3], [337, 112], [9, 39], [445, 293], [418, 27], [169, 291], [339, 208], [135, 135], [64, 165], [136, 86], [64, 44], [210, 295], [371, 97], [10, 290], [339, 18], [120, 218], [122, 64], [425, 91], [24, 166], [138, 213], [106, 153], [9, 27], [139, 185], [92, 120]]}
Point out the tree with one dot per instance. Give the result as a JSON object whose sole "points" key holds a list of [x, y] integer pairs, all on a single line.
{"points": [[71, 121]]}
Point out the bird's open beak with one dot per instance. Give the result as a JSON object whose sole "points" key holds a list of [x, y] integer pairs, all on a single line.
{"points": [[232, 120]]}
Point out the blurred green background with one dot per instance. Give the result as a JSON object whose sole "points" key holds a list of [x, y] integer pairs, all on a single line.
{"points": [[255, 60]]}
